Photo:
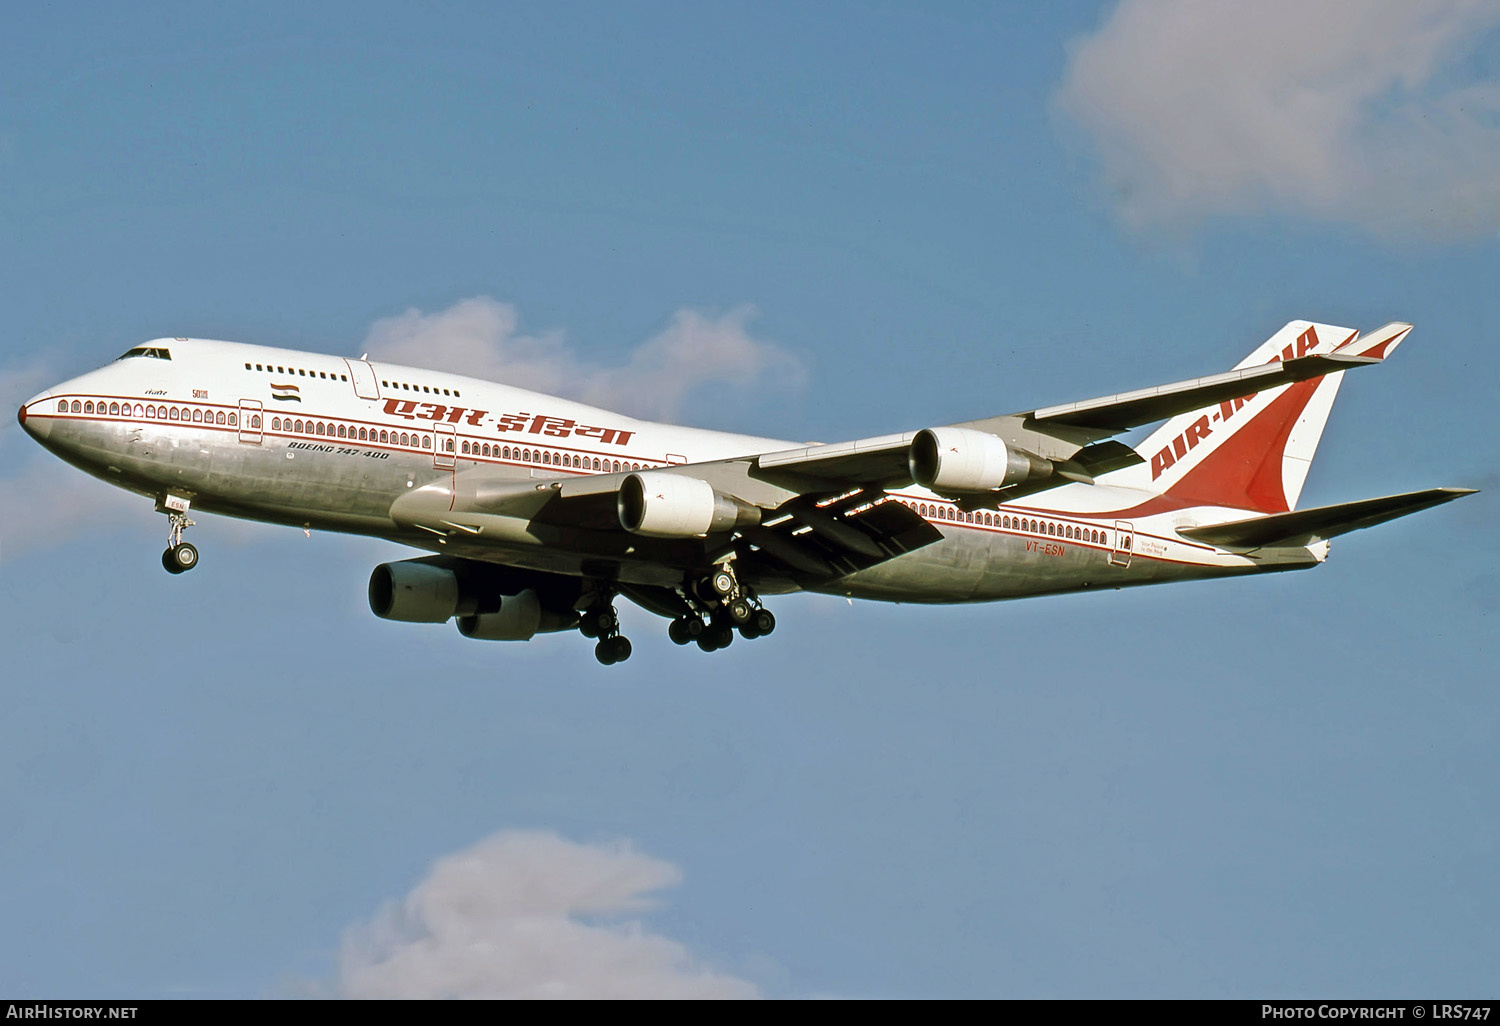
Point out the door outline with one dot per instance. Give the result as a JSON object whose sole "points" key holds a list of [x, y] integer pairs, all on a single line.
{"points": [[362, 377], [1124, 543], [252, 421], [444, 453]]}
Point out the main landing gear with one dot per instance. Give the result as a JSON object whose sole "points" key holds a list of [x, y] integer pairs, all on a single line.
{"points": [[728, 606], [601, 621], [180, 556], [707, 611]]}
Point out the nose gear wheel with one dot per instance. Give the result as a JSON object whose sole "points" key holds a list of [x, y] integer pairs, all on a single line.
{"points": [[180, 556]]}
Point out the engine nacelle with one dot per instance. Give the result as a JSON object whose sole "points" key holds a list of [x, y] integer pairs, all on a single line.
{"points": [[520, 618], [661, 505], [414, 591], [949, 460]]}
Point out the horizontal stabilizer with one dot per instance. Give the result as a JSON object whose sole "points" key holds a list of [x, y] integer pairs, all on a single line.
{"points": [[1377, 345], [1309, 525]]}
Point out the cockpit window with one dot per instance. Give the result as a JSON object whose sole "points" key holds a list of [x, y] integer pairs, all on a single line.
{"points": [[153, 352]]}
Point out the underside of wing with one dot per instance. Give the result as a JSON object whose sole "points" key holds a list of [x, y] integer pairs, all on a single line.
{"points": [[825, 538]]}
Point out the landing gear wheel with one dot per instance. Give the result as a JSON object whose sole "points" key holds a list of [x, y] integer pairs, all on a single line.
{"points": [[685, 629], [759, 623], [598, 622], [723, 583], [739, 611], [715, 638], [180, 558], [613, 650]]}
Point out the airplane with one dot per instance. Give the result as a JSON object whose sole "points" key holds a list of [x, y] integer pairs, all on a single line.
{"points": [[539, 512]]}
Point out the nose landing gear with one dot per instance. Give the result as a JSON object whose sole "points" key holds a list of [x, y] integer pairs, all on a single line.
{"points": [[180, 556]]}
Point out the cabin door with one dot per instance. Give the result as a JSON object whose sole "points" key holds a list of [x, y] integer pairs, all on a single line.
{"points": [[1124, 543], [362, 377], [252, 421], [446, 452]]}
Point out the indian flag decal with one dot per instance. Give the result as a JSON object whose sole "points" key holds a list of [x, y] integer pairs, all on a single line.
{"points": [[285, 393]]}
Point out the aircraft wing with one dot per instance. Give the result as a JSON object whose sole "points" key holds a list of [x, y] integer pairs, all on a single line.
{"points": [[817, 532], [820, 533], [1069, 433], [823, 510]]}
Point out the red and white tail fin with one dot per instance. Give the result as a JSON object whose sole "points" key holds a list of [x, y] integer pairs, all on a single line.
{"points": [[1254, 452]]}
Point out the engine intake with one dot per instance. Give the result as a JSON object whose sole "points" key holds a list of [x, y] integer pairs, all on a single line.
{"points": [[957, 460], [661, 505]]}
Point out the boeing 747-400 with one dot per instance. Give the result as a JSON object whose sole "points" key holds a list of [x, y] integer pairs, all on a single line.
{"points": [[539, 511]]}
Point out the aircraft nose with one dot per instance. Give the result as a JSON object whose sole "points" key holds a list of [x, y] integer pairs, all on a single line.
{"points": [[38, 427]]}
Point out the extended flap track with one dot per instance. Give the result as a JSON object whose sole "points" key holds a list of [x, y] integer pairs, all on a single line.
{"points": [[829, 536]]}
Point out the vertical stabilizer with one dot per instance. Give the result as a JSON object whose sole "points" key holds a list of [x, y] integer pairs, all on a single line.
{"points": [[1254, 452]]}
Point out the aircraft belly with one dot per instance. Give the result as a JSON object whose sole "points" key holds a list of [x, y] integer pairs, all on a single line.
{"points": [[974, 566], [220, 474], [309, 486], [946, 571]]}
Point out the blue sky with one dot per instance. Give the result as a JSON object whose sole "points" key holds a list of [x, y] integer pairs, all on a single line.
{"points": [[213, 784]]}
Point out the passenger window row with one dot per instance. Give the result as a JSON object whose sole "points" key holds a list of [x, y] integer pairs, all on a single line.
{"points": [[325, 375], [547, 457], [432, 390], [1050, 528], [325, 429], [149, 411], [415, 440]]}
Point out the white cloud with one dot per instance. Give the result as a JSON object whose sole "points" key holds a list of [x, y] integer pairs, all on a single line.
{"points": [[1359, 112], [528, 914], [481, 337]]}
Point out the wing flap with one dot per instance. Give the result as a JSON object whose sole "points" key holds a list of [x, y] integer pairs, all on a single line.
{"points": [[834, 536], [1308, 525]]}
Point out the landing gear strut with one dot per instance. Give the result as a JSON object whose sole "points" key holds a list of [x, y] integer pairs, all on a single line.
{"points": [[180, 556], [601, 621]]}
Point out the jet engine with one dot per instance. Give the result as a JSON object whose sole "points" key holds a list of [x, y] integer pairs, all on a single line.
{"points": [[955, 460], [417, 592], [520, 618], [661, 505]]}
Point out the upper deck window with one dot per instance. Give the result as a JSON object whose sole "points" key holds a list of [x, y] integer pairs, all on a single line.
{"points": [[153, 352]]}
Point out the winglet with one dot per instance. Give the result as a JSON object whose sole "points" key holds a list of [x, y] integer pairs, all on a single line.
{"points": [[1378, 344]]}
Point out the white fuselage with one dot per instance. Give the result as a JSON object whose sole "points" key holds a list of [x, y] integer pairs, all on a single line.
{"points": [[332, 443]]}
